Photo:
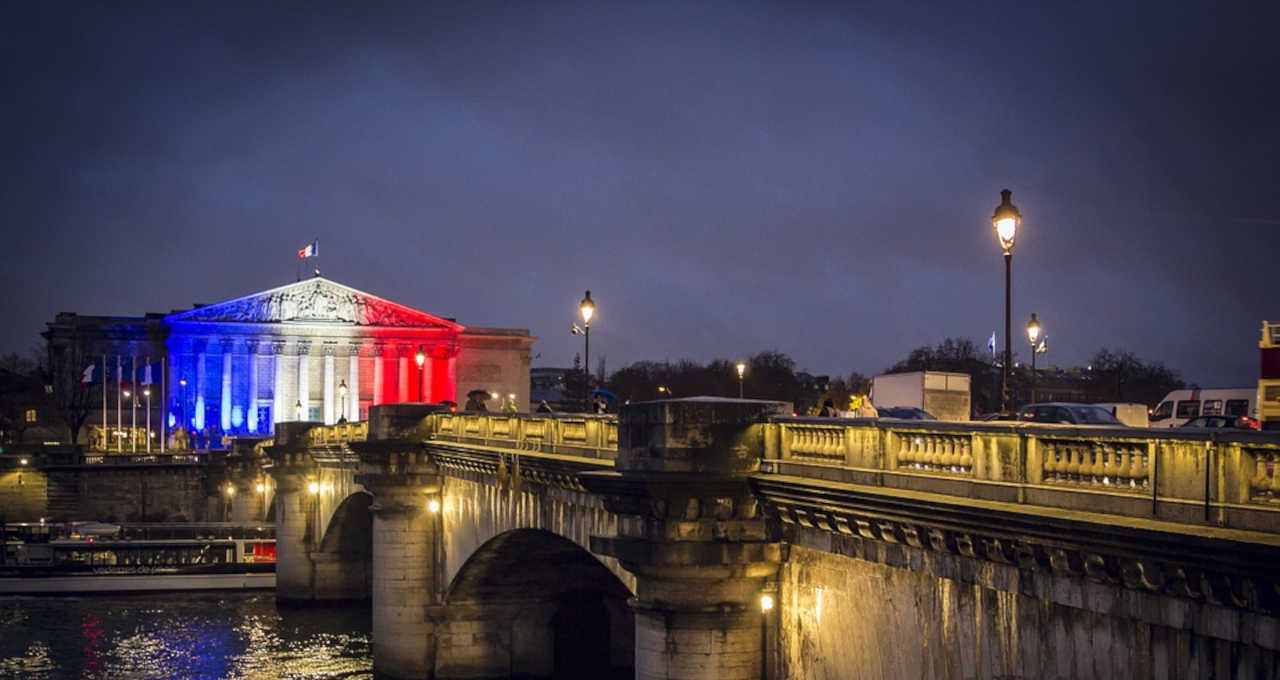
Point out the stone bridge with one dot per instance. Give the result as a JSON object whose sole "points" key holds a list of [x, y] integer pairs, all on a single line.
{"points": [[715, 538]]}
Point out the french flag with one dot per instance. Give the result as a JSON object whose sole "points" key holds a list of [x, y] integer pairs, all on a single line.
{"points": [[311, 250]]}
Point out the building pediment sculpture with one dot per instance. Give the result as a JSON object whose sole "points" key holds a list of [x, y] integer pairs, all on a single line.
{"points": [[316, 300]]}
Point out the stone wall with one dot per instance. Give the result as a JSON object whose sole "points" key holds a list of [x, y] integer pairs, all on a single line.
{"points": [[114, 494], [843, 617]]}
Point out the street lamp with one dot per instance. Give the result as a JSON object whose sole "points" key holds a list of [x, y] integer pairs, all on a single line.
{"points": [[133, 420], [182, 383], [1033, 334], [742, 369], [420, 358], [342, 401], [1006, 220], [297, 410], [766, 606], [663, 389], [146, 392], [588, 308]]}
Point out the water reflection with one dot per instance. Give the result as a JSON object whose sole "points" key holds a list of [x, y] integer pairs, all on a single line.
{"points": [[223, 635]]}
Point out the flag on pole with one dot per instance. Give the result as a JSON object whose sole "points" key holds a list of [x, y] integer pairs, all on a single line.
{"points": [[991, 343], [86, 377], [146, 373], [311, 250]]}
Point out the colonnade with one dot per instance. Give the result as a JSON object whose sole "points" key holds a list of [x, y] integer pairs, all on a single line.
{"points": [[308, 379]]}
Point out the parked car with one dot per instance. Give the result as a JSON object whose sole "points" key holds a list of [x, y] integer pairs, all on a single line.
{"points": [[1215, 422], [1070, 414], [905, 413]]}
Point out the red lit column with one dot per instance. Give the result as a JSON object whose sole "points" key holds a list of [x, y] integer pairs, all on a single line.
{"points": [[379, 376], [402, 372]]}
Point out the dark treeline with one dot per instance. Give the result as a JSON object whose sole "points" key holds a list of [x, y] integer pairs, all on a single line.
{"points": [[1111, 376]]}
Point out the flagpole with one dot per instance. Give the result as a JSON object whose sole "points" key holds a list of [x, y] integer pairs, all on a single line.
{"points": [[164, 399], [119, 405], [148, 369], [106, 443], [133, 404]]}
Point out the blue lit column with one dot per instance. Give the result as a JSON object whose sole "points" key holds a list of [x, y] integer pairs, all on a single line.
{"points": [[201, 375], [225, 415], [251, 405]]}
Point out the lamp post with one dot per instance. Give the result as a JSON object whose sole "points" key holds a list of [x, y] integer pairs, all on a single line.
{"points": [[1006, 220], [297, 410], [182, 383], [420, 358], [133, 422], [742, 369], [342, 401], [588, 308], [1033, 334], [766, 606], [146, 392]]}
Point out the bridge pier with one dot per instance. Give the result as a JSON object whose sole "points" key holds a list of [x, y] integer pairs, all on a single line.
{"points": [[693, 535], [295, 577], [406, 566]]}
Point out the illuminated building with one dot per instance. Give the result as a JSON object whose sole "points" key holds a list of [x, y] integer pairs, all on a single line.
{"points": [[244, 364]]}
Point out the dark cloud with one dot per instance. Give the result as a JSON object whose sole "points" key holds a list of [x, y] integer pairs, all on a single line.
{"points": [[725, 177]]}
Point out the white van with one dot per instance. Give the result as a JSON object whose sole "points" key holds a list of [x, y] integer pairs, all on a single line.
{"points": [[1131, 414], [1179, 406]]}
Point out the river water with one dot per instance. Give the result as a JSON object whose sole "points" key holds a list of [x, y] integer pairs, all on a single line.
{"points": [[181, 636]]}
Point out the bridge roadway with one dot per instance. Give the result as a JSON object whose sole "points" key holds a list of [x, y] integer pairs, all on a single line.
{"points": [[565, 545]]}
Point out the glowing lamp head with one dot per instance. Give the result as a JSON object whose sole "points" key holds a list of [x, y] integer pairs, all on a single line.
{"points": [[261, 488], [1033, 329], [146, 391], [742, 369], [766, 603], [421, 356], [663, 389], [127, 394], [182, 381], [297, 409], [433, 505], [231, 490], [342, 388], [313, 488], [22, 461], [588, 308], [1006, 220]]}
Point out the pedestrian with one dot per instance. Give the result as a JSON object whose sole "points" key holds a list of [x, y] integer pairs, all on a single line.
{"points": [[600, 406], [828, 410], [474, 403], [544, 407]]}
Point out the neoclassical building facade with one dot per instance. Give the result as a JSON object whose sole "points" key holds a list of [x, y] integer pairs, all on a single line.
{"points": [[312, 350]]}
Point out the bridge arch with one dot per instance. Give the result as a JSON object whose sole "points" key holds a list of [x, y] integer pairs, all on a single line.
{"points": [[344, 558], [532, 600]]}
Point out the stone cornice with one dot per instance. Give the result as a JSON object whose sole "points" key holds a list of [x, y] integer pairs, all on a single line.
{"points": [[1216, 566]]}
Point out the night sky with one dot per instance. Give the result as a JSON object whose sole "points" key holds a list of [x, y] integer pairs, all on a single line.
{"points": [[726, 178]]}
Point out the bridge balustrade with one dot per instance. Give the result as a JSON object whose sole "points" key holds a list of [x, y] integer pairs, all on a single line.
{"points": [[586, 436], [1226, 478]]}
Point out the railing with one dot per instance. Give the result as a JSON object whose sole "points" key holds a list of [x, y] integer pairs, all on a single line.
{"points": [[1228, 478], [108, 459], [341, 433], [566, 434]]}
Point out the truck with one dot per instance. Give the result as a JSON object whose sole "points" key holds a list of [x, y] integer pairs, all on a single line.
{"points": [[1268, 393], [945, 396]]}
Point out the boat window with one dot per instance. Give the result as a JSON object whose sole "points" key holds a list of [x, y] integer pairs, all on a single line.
{"points": [[1188, 409]]}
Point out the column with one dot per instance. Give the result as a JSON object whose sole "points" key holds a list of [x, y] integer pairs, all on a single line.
{"points": [[403, 370], [279, 395], [691, 531], [378, 376], [201, 374], [304, 383], [426, 391], [251, 407], [353, 382], [225, 415], [329, 417], [445, 372]]}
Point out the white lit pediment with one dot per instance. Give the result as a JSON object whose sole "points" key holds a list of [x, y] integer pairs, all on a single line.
{"points": [[316, 300]]}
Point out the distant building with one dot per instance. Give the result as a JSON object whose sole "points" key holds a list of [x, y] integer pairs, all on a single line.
{"points": [[313, 350]]}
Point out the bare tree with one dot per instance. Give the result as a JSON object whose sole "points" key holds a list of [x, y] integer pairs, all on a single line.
{"points": [[64, 371]]}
